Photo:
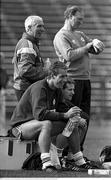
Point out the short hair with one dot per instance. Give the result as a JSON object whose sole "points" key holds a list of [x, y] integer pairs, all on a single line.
{"points": [[54, 68], [71, 11], [68, 80], [31, 21]]}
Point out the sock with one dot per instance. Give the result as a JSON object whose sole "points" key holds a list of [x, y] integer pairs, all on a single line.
{"points": [[54, 156], [78, 158], [46, 160], [59, 152]]}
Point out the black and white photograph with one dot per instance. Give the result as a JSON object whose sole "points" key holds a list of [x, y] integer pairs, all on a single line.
{"points": [[55, 89]]}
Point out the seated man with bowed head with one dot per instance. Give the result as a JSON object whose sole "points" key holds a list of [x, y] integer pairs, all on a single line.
{"points": [[34, 116]]}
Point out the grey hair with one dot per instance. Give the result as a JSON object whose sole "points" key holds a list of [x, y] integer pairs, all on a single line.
{"points": [[31, 20]]}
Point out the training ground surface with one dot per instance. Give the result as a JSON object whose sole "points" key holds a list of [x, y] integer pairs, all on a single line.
{"points": [[99, 135]]}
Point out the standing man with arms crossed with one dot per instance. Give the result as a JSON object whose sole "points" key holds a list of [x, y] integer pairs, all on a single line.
{"points": [[28, 64], [73, 48]]}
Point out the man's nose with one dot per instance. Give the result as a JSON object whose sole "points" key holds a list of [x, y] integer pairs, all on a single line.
{"points": [[43, 29], [72, 91]]}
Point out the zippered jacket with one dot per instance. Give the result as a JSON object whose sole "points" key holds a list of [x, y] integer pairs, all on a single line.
{"points": [[28, 64]]}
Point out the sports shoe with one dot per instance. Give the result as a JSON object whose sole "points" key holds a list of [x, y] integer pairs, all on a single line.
{"points": [[64, 164], [84, 167], [74, 167], [92, 163], [88, 165], [50, 169], [70, 162], [86, 159]]}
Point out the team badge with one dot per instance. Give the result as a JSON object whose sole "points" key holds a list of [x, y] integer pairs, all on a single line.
{"points": [[82, 39], [73, 41]]}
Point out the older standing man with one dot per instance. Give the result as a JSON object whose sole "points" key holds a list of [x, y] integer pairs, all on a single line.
{"points": [[73, 48], [28, 64]]}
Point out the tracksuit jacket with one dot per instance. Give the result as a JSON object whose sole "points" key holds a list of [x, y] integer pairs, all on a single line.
{"points": [[64, 105], [69, 47], [38, 102], [28, 64]]}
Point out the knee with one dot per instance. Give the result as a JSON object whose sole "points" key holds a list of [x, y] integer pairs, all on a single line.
{"points": [[83, 124], [47, 125]]}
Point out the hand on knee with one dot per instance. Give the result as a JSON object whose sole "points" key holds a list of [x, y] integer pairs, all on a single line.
{"points": [[47, 125]]}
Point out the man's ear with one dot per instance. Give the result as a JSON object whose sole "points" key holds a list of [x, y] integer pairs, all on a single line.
{"points": [[29, 28]]}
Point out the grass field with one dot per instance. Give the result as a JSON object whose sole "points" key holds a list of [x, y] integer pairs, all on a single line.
{"points": [[99, 135]]}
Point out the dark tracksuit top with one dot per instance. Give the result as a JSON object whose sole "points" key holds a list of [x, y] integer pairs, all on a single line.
{"points": [[28, 64], [36, 103], [64, 105]]}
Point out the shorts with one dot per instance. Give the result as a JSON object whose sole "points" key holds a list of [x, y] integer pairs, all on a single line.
{"points": [[16, 132]]}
